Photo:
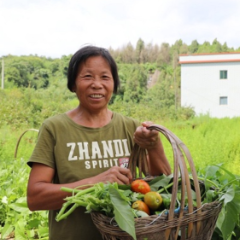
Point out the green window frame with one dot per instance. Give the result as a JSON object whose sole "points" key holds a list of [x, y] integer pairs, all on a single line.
{"points": [[223, 74]]}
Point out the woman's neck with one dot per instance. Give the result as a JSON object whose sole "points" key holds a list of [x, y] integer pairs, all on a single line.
{"points": [[90, 119]]}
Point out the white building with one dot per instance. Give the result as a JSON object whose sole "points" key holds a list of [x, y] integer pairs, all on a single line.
{"points": [[210, 83]]}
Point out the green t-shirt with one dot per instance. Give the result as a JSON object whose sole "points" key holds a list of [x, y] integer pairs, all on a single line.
{"points": [[77, 152]]}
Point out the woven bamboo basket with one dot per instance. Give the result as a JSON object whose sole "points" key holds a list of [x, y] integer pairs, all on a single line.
{"points": [[191, 223]]}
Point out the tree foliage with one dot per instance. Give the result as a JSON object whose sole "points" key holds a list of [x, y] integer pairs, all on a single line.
{"points": [[35, 89], [136, 84], [137, 66]]}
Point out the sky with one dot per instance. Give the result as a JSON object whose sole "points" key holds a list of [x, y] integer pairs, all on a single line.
{"points": [[53, 28]]}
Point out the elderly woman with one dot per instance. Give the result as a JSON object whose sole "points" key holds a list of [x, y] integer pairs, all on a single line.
{"points": [[87, 145]]}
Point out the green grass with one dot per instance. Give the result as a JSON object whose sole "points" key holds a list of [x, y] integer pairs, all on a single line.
{"points": [[210, 141]]}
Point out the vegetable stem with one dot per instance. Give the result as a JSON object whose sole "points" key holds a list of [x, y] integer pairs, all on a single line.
{"points": [[78, 192], [168, 186], [228, 184], [205, 179], [63, 215]]}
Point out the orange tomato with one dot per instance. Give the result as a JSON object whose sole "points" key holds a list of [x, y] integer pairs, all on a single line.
{"points": [[153, 200], [141, 206], [140, 186]]}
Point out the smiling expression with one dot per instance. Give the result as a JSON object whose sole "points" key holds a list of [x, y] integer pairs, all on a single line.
{"points": [[94, 83]]}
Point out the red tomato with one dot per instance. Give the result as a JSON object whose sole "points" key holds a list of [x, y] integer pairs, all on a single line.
{"points": [[140, 186], [142, 206]]}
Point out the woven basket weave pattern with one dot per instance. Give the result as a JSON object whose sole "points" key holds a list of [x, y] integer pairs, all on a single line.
{"points": [[197, 223], [153, 227]]}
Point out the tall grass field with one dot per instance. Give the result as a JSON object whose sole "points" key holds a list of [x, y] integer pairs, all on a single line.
{"points": [[210, 142]]}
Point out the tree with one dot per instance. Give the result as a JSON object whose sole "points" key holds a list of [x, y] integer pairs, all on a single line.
{"points": [[12, 75], [123, 73], [139, 51], [176, 46], [183, 49], [136, 84], [204, 48], [150, 53], [17, 72], [216, 46], [127, 54], [161, 95], [164, 54], [225, 47], [193, 48]]}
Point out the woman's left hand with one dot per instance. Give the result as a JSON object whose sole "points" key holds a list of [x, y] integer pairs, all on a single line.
{"points": [[146, 138], [150, 140]]}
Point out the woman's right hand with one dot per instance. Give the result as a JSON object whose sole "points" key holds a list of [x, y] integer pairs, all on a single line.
{"points": [[115, 174], [42, 194]]}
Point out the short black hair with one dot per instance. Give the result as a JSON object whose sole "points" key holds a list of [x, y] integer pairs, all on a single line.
{"points": [[81, 56]]}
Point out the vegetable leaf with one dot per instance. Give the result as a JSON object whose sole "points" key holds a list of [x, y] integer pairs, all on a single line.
{"points": [[161, 181], [229, 195], [228, 219], [229, 215], [122, 212]]}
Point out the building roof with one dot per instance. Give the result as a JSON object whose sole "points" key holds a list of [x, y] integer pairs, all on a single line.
{"points": [[209, 57]]}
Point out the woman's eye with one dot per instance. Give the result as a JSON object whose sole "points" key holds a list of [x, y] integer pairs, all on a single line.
{"points": [[87, 76], [105, 77]]}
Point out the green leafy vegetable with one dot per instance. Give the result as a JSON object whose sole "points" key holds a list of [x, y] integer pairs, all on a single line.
{"points": [[122, 212], [115, 200]]}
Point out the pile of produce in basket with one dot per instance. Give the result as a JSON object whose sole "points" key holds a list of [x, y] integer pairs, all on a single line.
{"points": [[178, 206], [117, 201]]}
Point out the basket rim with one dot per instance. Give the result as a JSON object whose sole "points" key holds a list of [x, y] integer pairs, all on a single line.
{"points": [[156, 223]]}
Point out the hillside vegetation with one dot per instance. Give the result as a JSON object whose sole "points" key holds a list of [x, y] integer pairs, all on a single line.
{"points": [[35, 89]]}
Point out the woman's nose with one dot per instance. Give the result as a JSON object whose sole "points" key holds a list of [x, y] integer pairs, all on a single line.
{"points": [[96, 83]]}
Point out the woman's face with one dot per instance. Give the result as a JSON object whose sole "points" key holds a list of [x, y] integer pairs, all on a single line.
{"points": [[94, 83]]}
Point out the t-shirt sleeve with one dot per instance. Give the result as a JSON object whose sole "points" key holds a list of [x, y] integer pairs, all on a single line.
{"points": [[44, 149]]}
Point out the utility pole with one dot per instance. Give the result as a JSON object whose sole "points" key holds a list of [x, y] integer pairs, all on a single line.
{"points": [[2, 74], [175, 83]]}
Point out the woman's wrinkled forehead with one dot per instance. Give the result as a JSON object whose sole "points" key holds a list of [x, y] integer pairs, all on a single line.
{"points": [[95, 64]]}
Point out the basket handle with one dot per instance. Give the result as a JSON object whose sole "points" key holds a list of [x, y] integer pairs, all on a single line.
{"points": [[181, 157]]}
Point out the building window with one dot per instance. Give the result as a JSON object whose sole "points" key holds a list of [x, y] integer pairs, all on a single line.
{"points": [[223, 74], [223, 100]]}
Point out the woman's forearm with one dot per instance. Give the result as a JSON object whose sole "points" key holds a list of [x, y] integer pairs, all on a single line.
{"points": [[49, 196], [158, 161]]}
